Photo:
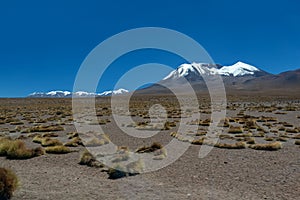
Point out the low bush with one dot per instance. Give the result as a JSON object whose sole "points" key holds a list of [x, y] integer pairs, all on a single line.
{"points": [[57, 150], [268, 147], [75, 142], [8, 183], [86, 158], [148, 149], [238, 145], [50, 134], [131, 169], [235, 129], [16, 149], [47, 142]]}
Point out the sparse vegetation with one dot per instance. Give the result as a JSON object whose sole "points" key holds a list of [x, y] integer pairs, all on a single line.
{"points": [[121, 155], [16, 149], [238, 145], [86, 158], [8, 183], [75, 142], [131, 169], [268, 147], [235, 129], [47, 142], [95, 142], [148, 149]]}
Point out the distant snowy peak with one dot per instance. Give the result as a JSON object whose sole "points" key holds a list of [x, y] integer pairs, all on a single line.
{"points": [[114, 92], [58, 93], [51, 94], [238, 69], [64, 94], [195, 68]]}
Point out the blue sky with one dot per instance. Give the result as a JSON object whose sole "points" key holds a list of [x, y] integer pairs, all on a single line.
{"points": [[43, 43]]}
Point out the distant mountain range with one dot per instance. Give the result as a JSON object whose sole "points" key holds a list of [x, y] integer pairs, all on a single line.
{"points": [[66, 94], [237, 78]]}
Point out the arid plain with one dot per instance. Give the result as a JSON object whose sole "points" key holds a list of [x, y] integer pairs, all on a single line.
{"points": [[256, 156]]}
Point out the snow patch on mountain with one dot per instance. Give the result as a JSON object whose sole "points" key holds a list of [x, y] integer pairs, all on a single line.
{"points": [[114, 92], [78, 94], [238, 69]]}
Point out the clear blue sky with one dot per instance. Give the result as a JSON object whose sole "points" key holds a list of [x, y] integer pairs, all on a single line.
{"points": [[43, 43]]}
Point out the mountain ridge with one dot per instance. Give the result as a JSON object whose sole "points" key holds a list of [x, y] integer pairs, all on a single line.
{"points": [[239, 77], [67, 94]]}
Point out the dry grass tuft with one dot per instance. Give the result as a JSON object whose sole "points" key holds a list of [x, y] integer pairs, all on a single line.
{"points": [[75, 142], [95, 142], [296, 136], [268, 147], [292, 130], [121, 155], [269, 138], [235, 129], [72, 135], [238, 145], [155, 146], [47, 142], [198, 141], [282, 139], [16, 149], [57, 150], [86, 158], [8, 183], [50, 134], [173, 134], [131, 169], [37, 139], [4, 146], [250, 140]]}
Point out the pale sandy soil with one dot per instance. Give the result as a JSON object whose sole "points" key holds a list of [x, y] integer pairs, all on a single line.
{"points": [[223, 174]]}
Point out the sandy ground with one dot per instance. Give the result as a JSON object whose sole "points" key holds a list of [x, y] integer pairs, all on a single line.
{"points": [[223, 174]]}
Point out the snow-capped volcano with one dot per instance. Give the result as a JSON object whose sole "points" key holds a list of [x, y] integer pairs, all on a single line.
{"points": [[113, 92], [238, 69], [200, 69], [65, 94], [51, 94]]}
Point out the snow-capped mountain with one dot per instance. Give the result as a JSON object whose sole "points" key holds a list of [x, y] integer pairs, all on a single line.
{"points": [[114, 92], [51, 94], [238, 69], [235, 77], [197, 70], [65, 94]]}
